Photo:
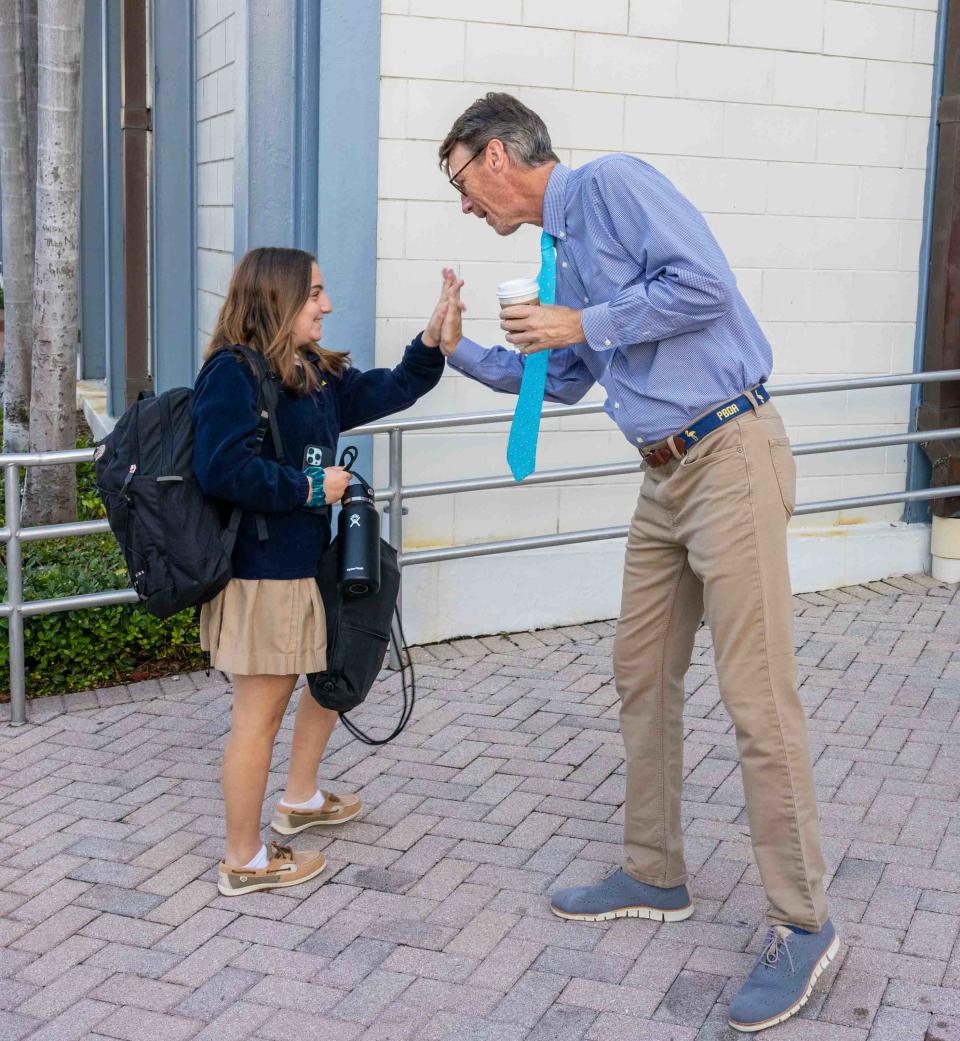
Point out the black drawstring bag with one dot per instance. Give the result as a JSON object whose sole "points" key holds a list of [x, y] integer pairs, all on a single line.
{"points": [[358, 632], [358, 635], [359, 610]]}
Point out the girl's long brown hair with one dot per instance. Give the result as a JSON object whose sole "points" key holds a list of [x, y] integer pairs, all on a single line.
{"points": [[267, 291]]}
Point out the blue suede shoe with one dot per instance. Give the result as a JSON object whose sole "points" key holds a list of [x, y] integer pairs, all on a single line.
{"points": [[783, 977], [620, 896]]}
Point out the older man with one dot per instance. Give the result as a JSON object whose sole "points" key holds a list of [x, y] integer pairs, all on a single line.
{"points": [[646, 305]]}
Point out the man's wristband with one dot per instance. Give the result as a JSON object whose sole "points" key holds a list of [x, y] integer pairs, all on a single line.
{"points": [[317, 496]]}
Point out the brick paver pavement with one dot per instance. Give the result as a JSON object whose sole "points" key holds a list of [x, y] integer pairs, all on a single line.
{"points": [[431, 922]]}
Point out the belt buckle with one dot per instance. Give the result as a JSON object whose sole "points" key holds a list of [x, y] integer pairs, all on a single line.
{"points": [[664, 453]]}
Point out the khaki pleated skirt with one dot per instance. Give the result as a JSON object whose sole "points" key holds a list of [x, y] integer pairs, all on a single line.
{"points": [[265, 627]]}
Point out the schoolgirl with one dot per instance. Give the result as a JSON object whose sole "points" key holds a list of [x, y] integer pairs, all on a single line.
{"points": [[267, 626]]}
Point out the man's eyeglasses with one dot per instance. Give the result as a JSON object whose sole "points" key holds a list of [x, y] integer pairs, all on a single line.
{"points": [[453, 178]]}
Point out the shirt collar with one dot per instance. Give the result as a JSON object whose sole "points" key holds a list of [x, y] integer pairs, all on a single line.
{"points": [[554, 202]]}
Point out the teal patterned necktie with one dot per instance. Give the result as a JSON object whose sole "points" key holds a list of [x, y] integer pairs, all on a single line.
{"points": [[522, 446]]}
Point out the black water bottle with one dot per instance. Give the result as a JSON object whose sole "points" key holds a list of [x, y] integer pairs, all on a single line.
{"points": [[358, 539]]}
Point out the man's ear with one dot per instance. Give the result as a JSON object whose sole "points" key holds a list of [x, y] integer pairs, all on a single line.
{"points": [[497, 158]]}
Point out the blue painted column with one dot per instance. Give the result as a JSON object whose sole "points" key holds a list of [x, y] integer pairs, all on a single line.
{"points": [[101, 204], [270, 160], [348, 149], [918, 465], [306, 148], [112, 165], [173, 262], [306, 152], [307, 129], [93, 291], [348, 155]]}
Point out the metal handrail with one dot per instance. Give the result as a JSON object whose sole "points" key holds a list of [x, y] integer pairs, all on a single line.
{"points": [[571, 538], [15, 609], [902, 379], [107, 599]]}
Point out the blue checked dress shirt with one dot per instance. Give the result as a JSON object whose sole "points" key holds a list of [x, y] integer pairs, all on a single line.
{"points": [[667, 332]]}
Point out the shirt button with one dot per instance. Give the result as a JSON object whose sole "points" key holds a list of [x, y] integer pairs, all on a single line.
{"points": [[586, 299], [563, 263], [639, 440], [616, 404], [606, 343], [562, 235]]}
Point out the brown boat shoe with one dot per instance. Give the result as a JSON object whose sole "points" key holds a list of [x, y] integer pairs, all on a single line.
{"points": [[286, 868], [336, 809]]}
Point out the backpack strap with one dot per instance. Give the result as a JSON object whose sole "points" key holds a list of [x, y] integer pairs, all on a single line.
{"points": [[229, 534], [270, 391], [268, 397], [166, 431]]}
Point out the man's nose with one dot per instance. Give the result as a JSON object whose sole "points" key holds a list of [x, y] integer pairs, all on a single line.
{"points": [[466, 206]]}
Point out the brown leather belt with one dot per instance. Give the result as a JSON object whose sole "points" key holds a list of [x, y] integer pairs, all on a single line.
{"points": [[675, 446], [655, 457]]}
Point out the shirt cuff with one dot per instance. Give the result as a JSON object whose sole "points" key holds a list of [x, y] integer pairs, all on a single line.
{"points": [[468, 356], [599, 328]]}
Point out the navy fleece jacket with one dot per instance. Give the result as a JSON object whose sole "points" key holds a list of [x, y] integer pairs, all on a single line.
{"points": [[229, 469]]}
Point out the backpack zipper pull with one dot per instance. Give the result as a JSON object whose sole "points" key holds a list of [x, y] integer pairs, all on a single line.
{"points": [[128, 479]]}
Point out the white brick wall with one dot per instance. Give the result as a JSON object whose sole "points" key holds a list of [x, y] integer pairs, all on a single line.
{"points": [[799, 129], [216, 24]]}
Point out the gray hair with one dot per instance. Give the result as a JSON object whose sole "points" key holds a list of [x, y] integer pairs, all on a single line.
{"points": [[523, 133]]}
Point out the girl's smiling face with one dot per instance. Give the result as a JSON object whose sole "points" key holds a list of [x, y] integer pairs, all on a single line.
{"points": [[308, 327]]}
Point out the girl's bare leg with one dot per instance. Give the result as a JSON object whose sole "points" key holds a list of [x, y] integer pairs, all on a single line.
{"points": [[258, 706], [311, 732]]}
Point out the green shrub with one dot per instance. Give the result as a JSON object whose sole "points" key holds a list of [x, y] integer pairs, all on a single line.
{"points": [[95, 647]]}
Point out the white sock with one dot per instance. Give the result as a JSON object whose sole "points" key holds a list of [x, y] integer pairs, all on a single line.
{"points": [[314, 803], [260, 861]]}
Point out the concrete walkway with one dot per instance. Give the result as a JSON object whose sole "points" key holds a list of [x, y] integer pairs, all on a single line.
{"points": [[431, 922]]}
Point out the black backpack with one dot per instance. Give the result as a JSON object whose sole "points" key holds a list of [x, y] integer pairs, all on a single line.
{"points": [[175, 545]]}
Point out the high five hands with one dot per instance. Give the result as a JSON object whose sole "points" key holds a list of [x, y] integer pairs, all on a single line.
{"points": [[529, 327], [445, 327]]}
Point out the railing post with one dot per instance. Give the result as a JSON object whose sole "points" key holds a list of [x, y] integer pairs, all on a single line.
{"points": [[18, 688], [396, 527]]}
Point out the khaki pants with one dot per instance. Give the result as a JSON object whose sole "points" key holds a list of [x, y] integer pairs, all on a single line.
{"points": [[709, 535]]}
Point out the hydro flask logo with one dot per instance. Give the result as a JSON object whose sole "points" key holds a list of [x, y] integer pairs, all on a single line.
{"points": [[354, 520]]}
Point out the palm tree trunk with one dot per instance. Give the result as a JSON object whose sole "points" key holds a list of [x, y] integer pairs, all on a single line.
{"points": [[29, 18], [51, 491], [18, 225]]}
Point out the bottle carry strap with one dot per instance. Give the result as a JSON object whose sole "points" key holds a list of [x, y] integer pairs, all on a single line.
{"points": [[347, 458]]}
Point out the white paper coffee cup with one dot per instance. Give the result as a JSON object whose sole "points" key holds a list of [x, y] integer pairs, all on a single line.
{"points": [[518, 291]]}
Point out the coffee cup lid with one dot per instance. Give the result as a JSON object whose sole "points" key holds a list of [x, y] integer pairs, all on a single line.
{"points": [[518, 288]]}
